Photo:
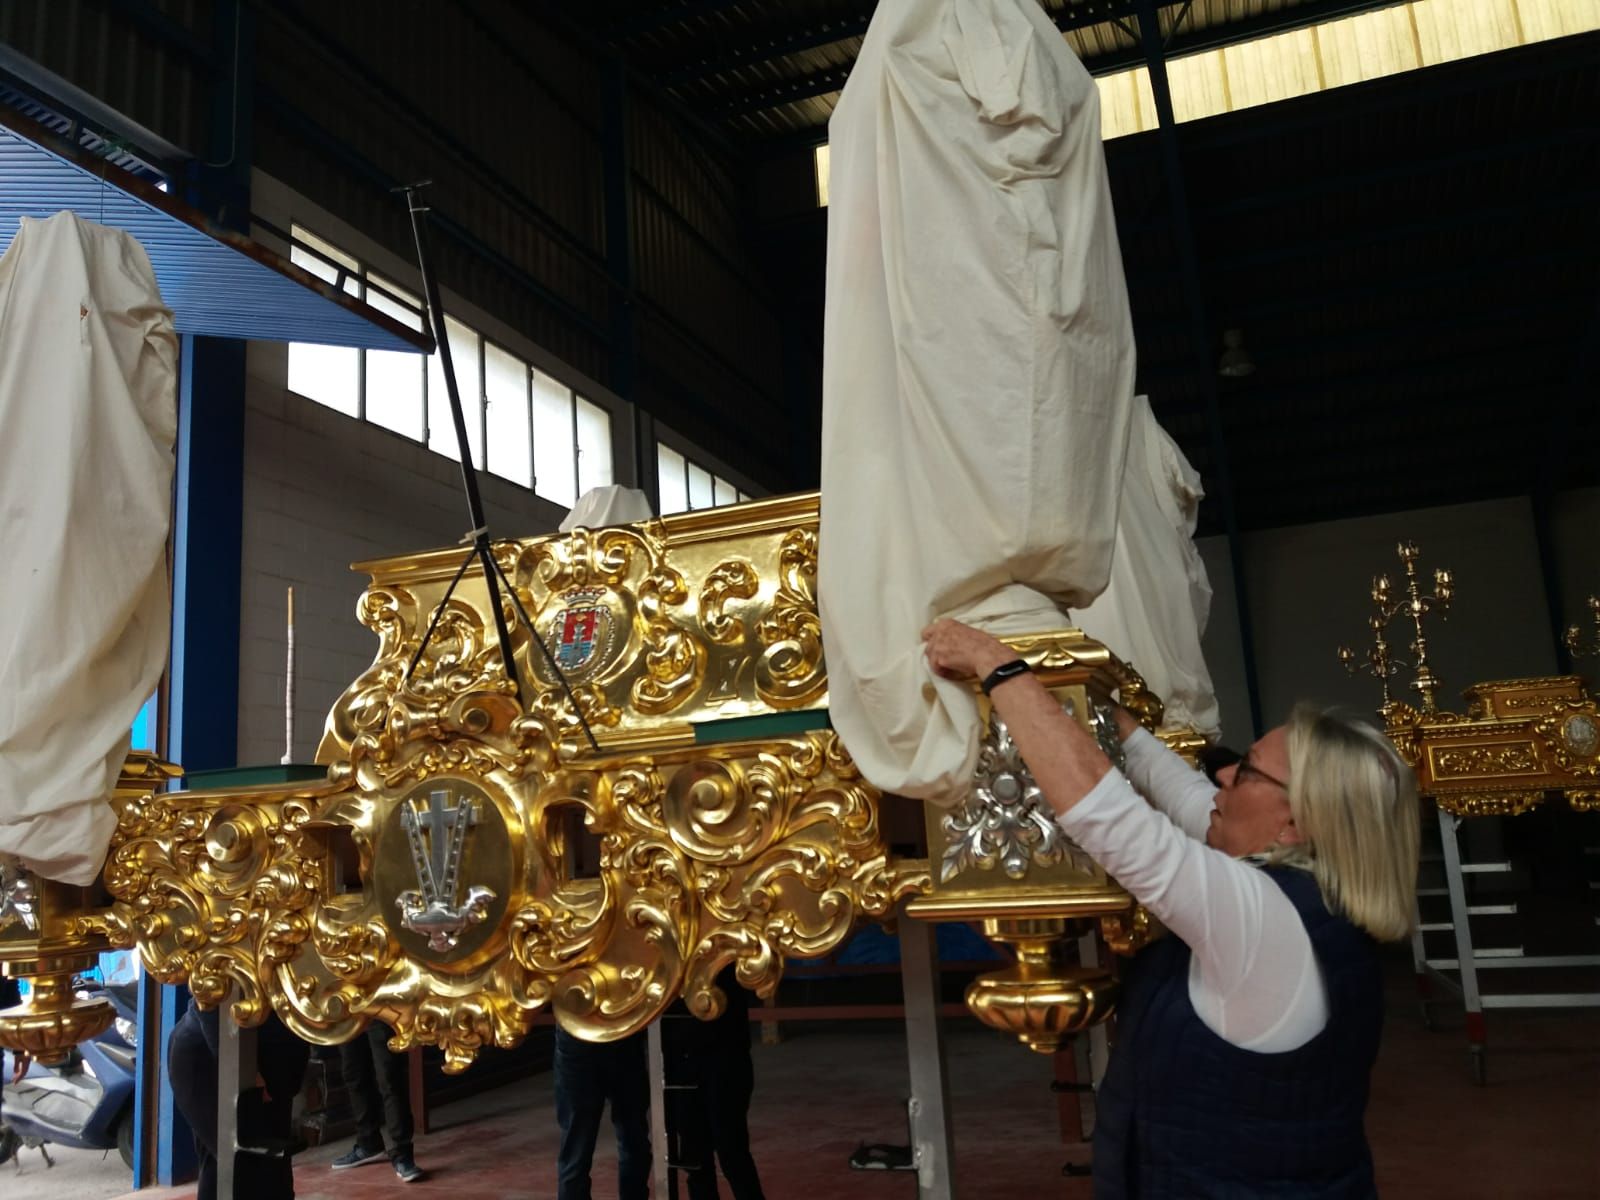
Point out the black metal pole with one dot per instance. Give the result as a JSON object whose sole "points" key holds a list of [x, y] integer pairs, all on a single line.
{"points": [[479, 533]]}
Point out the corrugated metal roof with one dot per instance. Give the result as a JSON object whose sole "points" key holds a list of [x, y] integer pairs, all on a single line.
{"points": [[216, 282]]}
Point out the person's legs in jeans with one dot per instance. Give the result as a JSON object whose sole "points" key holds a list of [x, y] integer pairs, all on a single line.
{"points": [[360, 1082], [629, 1085], [192, 1072], [394, 1083], [580, 1103]]}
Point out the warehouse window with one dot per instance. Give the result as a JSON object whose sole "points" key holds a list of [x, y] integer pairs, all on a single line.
{"points": [[687, 486], [535, 430], [1316, 57]]}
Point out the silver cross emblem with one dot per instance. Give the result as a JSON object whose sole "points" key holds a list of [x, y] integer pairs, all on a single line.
{"points": [[437, 830]]}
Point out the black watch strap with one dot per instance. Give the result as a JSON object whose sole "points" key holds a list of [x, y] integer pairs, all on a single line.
{"points": [[1002, 673]]}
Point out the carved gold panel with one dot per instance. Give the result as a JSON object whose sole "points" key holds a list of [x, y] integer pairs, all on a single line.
{"points": [[1512, 699]]}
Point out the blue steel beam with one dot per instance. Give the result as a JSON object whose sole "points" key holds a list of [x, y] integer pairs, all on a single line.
{"points": [[208, 516]]}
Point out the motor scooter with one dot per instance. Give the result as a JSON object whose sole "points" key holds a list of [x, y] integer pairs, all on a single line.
{"points": [[86, 1102]]}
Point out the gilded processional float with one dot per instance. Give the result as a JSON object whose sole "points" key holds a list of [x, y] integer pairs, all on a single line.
{"points": [[676, 700], [734, 827]]}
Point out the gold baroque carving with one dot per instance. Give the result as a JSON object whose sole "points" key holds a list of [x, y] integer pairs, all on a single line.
{"points": [[1504, 758], [214, 897], [1569, 731], [674, 658], [790, 671], [742, 854], [731, 580], [1129, 932], [1489, 804]]}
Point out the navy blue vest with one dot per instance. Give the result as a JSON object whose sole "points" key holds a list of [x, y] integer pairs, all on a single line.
{"points": [[1184, 1114]]}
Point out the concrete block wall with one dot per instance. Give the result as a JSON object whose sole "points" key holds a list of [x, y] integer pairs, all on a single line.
{"points": [[323, 490]]}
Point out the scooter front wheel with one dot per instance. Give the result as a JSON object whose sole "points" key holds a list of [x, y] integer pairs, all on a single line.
{"points": [[125, 1138]]}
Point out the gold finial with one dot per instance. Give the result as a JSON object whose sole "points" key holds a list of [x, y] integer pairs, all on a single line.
{"points": [[1415, 604], [1575, 642]]}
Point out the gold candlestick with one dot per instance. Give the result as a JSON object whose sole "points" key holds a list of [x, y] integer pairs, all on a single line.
{"points": [[1575, 642], [1415, 604]]}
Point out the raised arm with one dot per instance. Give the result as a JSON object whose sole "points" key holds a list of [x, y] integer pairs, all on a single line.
{"points": [[1184, 794], [1260, 981]]}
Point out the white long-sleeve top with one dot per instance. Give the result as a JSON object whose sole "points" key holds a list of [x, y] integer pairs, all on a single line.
{"points": [[1253, 978]]}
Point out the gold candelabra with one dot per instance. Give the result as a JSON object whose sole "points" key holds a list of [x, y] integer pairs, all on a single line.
{"points": [[1575, 642], [1414, 603]]}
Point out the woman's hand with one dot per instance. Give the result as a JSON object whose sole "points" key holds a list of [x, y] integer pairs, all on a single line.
{"points": [[959, 651], [1127, 723]]}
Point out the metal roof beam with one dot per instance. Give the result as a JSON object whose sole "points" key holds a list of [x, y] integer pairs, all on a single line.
{"points": [[1228, 33], [672, 14], [790, 91], [811, 37], [832, 79], [828, 33]]}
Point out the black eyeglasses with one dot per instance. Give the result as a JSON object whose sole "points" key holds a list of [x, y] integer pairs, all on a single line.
{"points": [[1246, 767]]}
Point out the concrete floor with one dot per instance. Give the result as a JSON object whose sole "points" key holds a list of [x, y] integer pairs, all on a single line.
{"points": [[1533, 1132], [77, 1175]]}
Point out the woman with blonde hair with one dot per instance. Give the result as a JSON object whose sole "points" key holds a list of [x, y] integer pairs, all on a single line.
{"points": [[1246, 1039]]}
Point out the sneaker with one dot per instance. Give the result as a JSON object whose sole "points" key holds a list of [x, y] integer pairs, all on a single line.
{"points": [[358, 1156], [408, 1171]]}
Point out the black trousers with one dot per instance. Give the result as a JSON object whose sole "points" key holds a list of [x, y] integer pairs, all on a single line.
{"points": [[192, 1071], [380, 1091], [712, 1122], [588, 1076]]}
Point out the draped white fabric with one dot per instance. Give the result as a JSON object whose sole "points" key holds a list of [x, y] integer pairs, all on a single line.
{"points": [[610, 504], [88, 372], [978, 366], [1154, 610]]}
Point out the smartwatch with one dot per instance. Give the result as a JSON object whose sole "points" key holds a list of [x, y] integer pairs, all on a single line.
{"points": [[1002, 673]]}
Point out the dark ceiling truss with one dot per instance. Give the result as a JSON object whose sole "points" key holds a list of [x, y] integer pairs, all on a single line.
{"points": [[765, 50], [814, 34], [1180, 41], [670, 14], [832, 79], [782, 55]]}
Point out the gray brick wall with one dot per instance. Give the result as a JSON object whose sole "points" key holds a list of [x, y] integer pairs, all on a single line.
{"points": [[322, 490]]}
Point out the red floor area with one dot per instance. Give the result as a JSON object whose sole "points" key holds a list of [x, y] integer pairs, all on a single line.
{"points": [[1533, 1133]]}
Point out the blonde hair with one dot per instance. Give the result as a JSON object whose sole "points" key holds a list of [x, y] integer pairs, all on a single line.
{"points": [[1354, 800]]}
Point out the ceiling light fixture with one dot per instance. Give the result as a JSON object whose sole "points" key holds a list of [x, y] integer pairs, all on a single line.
{"points": [[1235, 362]]}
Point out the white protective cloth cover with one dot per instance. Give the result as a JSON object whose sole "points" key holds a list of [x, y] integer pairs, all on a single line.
{"points": [[1154, 610], [610, 504], [978, 367], [88, 374]]}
